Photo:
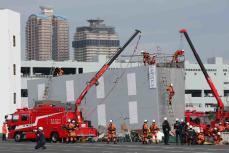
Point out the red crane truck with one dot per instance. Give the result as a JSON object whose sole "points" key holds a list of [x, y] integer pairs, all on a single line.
{"points": [[25, 121], [202, 119]]}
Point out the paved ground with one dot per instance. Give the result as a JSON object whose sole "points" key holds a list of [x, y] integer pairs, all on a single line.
{"points": [[28, 147]]}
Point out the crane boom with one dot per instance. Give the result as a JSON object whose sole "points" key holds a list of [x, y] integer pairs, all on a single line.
{"points": [[220, 109], [103, 69]]}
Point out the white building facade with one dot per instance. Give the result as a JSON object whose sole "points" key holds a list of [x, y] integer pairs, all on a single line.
{"points": [[10, 63], [198, 95]]}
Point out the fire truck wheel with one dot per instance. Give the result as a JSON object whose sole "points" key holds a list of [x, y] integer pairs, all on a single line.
{"points": [[17, 137], [54, 137]]}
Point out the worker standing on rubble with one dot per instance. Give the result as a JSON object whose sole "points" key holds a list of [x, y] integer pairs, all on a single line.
{"points": [[171, 93], [177, 130], [111, 132], [154, 130], [145, 131], [166, 130], [40, 138]]}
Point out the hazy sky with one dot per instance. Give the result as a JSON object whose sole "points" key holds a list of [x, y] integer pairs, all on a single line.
{"points": [[159, 20]]}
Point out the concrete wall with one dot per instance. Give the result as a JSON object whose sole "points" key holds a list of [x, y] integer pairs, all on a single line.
{"points": [[122, 95], [10, 55]]}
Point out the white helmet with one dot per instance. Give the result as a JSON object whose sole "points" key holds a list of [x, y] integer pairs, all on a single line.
{"points": [[215, 128], [145, 121], [69, 120], [188, 123], [218, 133], [181, 120], [73, 121], [153, 121], [171, 84], [142, 51], [165, 118], [40, 128], [190, 126], [111, 121], [177, 119]]}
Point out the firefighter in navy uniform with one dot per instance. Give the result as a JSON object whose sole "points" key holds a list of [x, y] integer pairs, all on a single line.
{"points": [[177, 130], [40, 138], [182, 131], [166, 130], [191, 136], [145, 131]]}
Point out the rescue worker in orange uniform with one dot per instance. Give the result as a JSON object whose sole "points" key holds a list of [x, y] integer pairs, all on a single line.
{"points": [[217, 138], [4, 131], [111, 132], [170, 92], [226, 126], [200, 138], [147, 59], [176, 55], [221, 128], [66, 127], [154, 130], [145, 131], [71, 126]]}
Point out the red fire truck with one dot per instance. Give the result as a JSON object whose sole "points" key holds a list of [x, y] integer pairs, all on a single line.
{"points": [[52, 118], [202, 119]]}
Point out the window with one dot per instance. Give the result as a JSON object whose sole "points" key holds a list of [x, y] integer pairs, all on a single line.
{"points": [[14, 98], [194, 93], [80, 70], [14, 40], [226, 93], [24, 93], [15, 117], [14, 69], [208, 93], [24, 117]]}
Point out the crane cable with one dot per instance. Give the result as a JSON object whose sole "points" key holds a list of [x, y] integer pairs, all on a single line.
{"points": [[117, 79]]}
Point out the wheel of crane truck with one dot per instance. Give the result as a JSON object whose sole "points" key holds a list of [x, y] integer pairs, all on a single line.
{"points": [[54, 137], [17, 137]]}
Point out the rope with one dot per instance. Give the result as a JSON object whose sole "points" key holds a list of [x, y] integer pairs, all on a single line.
{"points": [[116, 80]]}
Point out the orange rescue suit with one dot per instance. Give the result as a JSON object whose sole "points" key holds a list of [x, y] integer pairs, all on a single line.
{"points": [[200, 138], [171, 93], [154, 129], [145, 130], [4, 128], [111, 130]]}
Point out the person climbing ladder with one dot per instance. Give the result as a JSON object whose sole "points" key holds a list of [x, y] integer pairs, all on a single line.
{"points": [[170, 92]]}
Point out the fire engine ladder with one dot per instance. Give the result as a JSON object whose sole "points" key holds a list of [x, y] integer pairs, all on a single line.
{"points": [[46, 91]]}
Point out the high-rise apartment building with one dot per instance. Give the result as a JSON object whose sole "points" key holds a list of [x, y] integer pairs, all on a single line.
{"points": [[47, 36], [93, 40]]}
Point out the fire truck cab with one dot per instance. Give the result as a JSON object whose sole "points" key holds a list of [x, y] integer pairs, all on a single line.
{"points": [[24, 122]]}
